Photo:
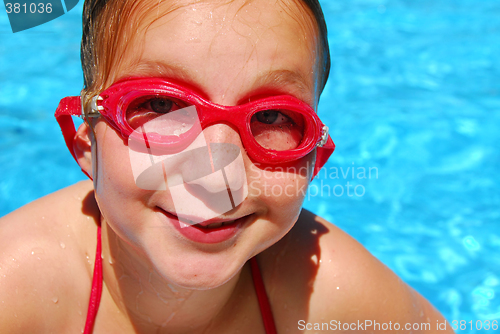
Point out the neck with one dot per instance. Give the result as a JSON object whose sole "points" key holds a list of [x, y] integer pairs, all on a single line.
{"points": [[152, 303]]}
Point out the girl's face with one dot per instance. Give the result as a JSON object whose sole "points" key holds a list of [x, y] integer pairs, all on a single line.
{"points": [[230, 53]]}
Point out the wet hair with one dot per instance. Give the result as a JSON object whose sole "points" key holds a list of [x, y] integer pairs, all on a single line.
{"points": [[115, 18]]}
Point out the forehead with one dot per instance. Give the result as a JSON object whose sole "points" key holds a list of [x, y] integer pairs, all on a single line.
{"points": [[237, 44]]}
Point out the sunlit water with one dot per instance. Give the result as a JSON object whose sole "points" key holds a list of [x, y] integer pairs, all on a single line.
{"points": [[413, 105]]}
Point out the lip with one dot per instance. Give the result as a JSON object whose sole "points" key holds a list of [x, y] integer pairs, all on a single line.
{"points": [[198, 233]]}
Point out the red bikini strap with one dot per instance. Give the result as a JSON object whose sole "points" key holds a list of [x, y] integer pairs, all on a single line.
{"points": [[265, 308], [95, 295]]}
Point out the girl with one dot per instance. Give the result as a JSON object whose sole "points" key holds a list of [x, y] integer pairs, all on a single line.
{"points": [[196, 113]]}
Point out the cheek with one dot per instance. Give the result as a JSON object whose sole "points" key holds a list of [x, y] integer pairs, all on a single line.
{"points": [[283, 188], [113, 163], [118, 197]]}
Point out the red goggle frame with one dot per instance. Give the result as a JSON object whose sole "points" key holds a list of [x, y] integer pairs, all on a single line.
{"points": [[114, 102]]}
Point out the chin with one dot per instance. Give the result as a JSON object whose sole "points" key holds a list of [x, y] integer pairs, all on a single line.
{"points": [[208, 272]]}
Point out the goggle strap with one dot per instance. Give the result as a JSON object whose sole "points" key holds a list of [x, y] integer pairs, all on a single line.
{"points": [[69, 106], [322, 155]]}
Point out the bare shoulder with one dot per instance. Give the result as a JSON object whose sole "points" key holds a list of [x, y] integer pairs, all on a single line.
{"points": [[335, 280], [43, 263]]}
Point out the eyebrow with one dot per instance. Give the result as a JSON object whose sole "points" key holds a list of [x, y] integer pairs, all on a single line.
{"points": [[279, 79], [282, 81], [159, 69]]}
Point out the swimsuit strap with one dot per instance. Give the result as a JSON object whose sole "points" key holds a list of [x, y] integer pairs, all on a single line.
{"points": [[265, 308], [95, 295]]}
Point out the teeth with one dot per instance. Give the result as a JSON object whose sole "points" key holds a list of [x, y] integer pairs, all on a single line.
{"points": [[183, 225], [214, 225]]}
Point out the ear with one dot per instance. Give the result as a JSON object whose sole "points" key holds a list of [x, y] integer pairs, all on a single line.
{"points": [[82, 146]]}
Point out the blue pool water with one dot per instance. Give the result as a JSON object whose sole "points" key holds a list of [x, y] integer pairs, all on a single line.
{"points": [[413, 99]]}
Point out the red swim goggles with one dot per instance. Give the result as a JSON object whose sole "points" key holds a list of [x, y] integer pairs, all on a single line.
{"points": [[273, 130]]}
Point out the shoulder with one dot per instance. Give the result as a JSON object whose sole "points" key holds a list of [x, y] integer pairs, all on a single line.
{"points": [[43, 264], [335, 280]]}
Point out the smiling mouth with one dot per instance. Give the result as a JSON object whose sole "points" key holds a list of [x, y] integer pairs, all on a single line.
{"points": [[208, 224]]}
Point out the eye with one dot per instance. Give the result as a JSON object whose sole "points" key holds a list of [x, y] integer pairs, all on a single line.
{"points": [[147, 108], [159, 105], [271, 117]]}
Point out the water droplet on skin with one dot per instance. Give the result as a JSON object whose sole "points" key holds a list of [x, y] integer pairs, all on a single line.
{"points": [[314, 231], [62, 245], [110, 260], [314, 258], [55, 300], [37, 250], [338, 287]]}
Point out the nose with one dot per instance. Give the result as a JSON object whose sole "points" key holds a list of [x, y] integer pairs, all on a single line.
{"points": [[213, 176], [224, 153]]}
